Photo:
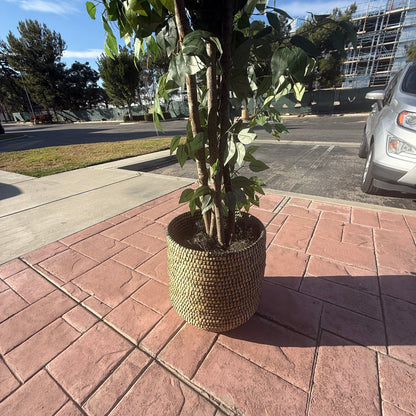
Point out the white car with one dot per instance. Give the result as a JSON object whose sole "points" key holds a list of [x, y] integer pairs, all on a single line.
{"points": [[389, 140]]}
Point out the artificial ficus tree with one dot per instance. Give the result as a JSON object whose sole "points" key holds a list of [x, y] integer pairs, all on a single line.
{"points": [[221, 57]]}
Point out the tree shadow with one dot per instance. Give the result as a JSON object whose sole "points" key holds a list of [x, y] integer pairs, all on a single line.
{"points": [[374, 311], [152, 165], [8, 191]]}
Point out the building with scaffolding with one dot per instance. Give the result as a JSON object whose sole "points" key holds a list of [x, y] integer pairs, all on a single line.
{"points": [[384, 29]]}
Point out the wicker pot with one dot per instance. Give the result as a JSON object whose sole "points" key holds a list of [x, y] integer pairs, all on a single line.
{"points": [[214, 290]]}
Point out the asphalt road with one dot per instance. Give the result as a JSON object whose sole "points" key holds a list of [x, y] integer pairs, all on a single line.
{"points": [[317, 157], [77, 133]]}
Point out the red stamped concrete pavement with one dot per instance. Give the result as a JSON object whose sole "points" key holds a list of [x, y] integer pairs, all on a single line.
{"points": [[87, 328]]}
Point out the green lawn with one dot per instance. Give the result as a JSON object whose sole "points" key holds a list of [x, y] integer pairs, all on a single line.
{"points": [[50, 160]]}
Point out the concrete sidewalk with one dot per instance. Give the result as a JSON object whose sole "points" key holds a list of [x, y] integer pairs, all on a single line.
{"points": [[86, 325], [38, 211]]}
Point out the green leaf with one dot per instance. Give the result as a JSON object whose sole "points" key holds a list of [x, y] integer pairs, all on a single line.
{"points": [[192, 64], [297, 62], [169, 4], [257, 181], [111, 42], [264, 85], [108, 52], [298, 90], [251, 149], [177, 70], [157, 6], [241, 152], [240, 182], [91, 9], [197, 142], [258, 166], [240, 196], [174, 143], [196, 35], [186, 195], [152, 47], [201, 191], [273, 20], [246, 137], [181, 154], [207, 203], [279, 63], [217, 43], [241, 55], [138, 48], [230, 201], [231, 149], [305, 44], [156, 120], [267, 127], [240, 84], [192, 206], [262, 33], [280, 11], [280, 128], [194, 42]]}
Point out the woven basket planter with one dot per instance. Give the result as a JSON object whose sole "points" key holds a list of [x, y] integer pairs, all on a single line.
{"points": [[214, 290]]}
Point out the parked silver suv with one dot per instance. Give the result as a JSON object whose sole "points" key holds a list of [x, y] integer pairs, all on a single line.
{"points": [[389, 140]]}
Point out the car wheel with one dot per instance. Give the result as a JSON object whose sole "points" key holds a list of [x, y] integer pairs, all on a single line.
{"points": [[368, 179], [363, 151]]}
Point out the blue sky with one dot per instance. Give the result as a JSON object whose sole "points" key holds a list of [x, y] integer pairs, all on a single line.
{"points": [[85, 37]]}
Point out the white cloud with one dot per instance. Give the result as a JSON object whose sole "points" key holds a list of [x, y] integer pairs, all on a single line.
{"points": [[88, 54], [45, 6]]}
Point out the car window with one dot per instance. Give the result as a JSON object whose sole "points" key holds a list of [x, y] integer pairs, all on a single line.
{"points": [[389, 90], [409, 82]]}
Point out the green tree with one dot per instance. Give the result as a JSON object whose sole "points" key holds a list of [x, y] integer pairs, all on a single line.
{"points": [[327, 33], [208, 43], [121, 78], [36, 55], [12, 95], [411, 51], [151, 71], [81, 88]]}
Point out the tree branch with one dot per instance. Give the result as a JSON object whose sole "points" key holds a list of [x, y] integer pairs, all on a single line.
{"points": [[227, 28], [182, 23]]}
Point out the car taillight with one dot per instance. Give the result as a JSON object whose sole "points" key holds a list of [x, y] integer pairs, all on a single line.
{"points": [[407, 119]]}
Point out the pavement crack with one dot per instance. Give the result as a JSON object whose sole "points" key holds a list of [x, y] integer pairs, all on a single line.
{"points": [[128, 280], [287, 358], [183, 398]]}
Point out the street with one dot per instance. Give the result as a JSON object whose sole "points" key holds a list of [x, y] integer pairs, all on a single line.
{"points": [[317, 157]]}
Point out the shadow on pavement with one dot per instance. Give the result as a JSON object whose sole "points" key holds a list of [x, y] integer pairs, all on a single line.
{"points": [[353, 311], [8, 191], [151, 165]]}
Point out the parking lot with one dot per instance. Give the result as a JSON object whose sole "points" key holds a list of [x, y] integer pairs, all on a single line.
{"points": [[317, 157]]}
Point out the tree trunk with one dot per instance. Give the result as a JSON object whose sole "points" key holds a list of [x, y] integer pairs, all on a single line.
{"points": [[227, 27], [129, 112], [182, 23], [213, 139]]}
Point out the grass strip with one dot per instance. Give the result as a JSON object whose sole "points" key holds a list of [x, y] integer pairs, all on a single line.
{"points": [[50, 160]]}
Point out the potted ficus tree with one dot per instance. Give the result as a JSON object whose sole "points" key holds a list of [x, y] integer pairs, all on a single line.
{"points": [[223, 58]]}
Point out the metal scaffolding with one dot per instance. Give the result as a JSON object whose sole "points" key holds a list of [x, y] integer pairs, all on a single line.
{"points": [[383, 31]]}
